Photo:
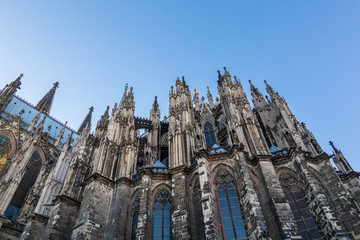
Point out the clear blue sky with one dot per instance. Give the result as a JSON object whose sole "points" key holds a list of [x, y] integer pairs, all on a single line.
{"points": [[308, 51]]}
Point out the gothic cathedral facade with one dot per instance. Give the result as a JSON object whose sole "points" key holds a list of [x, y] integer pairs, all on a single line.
{"points": [[210, 170]]}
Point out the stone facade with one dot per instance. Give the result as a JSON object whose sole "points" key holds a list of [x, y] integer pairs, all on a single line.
{"points": [[210, 170]]}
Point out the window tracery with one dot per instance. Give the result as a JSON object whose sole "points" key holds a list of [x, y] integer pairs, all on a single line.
{"points": [[230, 213], [162, 213], [209, 135], [304, 219], [5, 149]]}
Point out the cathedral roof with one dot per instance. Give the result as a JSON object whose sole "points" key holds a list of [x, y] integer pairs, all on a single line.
{"points": [[17, 104]]}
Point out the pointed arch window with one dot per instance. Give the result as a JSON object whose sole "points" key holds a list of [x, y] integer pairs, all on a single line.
{"points": [[307, 226], [209, 135], [231, 218], [135, 217], [28, 180], [222, 134], [198, 214], [162, 213], [5, 148]]}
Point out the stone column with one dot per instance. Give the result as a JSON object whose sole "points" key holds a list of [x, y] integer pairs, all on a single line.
{"points": [[284, 216], [95, 209], [321, 206], [179, 204], [120, 214], [35, 227], [63, 217], [208, 198], [253, 215], [142, 231]]}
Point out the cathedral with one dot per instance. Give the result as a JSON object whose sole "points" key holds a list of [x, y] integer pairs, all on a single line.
{"points": [[213, 169]]}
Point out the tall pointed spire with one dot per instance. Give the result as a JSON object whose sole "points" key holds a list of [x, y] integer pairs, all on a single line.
{"points": [[102, 123], [86, 121], [333, 146], [34, 122], [155, 107], [60, 135], [340, 160], [123, 96], [196, 100], [40, 127], [270, 91], [8, 92], [45, 103], [11, 88], [210, 98]]}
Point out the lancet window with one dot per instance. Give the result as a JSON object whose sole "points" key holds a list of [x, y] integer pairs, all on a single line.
{"points": [[230, 213], [32, 171], [209, 135], [164, 149], [222, 134], [303, 217], [162, 219], [135, 217], [199, 228]]}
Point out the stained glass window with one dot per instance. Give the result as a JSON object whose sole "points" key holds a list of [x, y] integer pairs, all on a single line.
{"points": [[5, 148], [303, 217], [231, 218], [162, 216], [135, 217], [209, 135]]}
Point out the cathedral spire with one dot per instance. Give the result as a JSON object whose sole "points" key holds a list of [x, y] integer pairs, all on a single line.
{"points": [[102, 123], [60, 135], [237, 82], [196, 100], [86, 121], [155, 111], [155, 105], [333, 146], [271, 91], [210, 98], [40, 127], [253, 88], [340, 160], [255, 91], [45, 103], [34, 122], [8, 92], [123, 96]]}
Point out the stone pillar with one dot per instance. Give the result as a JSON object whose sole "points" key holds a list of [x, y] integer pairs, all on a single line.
{"points": [[63, 217], [253, 215], [179, 202], [208, 198], [284, 216], [143, 230], [35, 227], [94, 210], [119, 216], [321, 206]]}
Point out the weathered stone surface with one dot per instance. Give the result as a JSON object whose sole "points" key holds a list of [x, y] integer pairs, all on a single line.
{"points": [[215, 170]]}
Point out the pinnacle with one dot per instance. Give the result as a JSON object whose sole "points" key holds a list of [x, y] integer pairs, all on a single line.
{"points": [[45, 103]]}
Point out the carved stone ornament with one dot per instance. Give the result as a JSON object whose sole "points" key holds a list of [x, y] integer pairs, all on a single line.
{"points": [[223, 176]]}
